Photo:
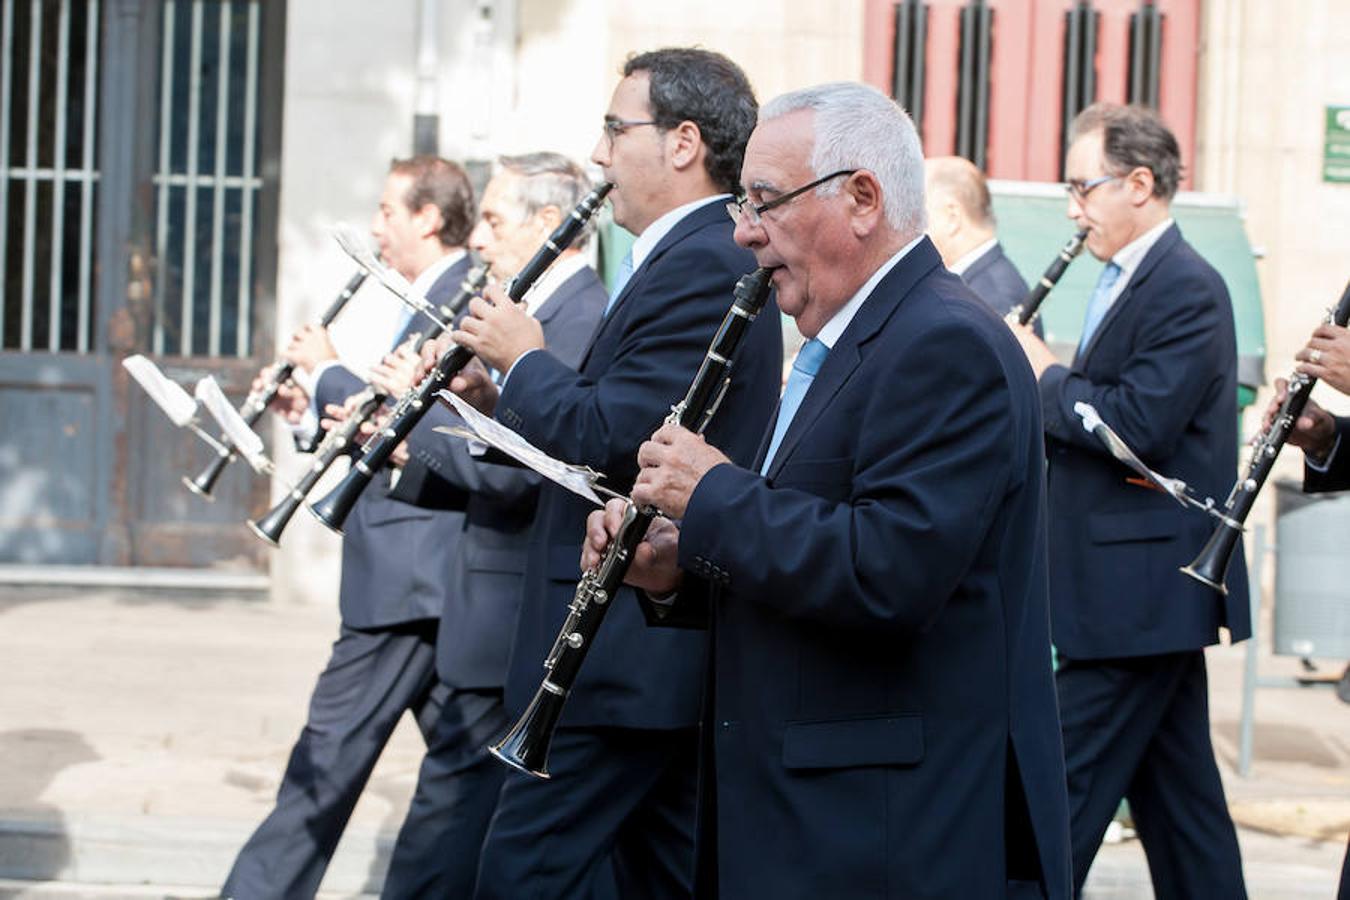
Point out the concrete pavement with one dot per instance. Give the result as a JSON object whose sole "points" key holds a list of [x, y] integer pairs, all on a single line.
{"points": [[142, 733]]}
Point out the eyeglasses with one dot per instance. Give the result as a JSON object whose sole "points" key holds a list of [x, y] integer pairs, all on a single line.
{"points": [[1078, 189], [742, 206], [615, 127]]}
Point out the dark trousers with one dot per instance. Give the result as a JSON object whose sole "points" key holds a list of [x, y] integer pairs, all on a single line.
{"points": [[436, 854], [371, 678], [1139, 728], [616, 795]]}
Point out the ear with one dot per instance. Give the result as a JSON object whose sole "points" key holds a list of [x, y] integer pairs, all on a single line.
{"points": [[1139, 183], [549, 218], [428, 220], [866, 210], [684, 145]]}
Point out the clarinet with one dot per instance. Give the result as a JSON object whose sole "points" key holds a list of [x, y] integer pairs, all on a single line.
{"points": [[255, 404], [336, 442], [525, 746], [1211, 565], [1025, 312], [332, 510]]}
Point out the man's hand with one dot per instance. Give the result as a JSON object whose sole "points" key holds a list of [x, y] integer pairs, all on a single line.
{"points": [[475, 385], [309, 347], [654, 567], [1327, 356], [673, 462], [1038, 354], [396, 374], [290, 401], [497, 331], [1314, 431]]}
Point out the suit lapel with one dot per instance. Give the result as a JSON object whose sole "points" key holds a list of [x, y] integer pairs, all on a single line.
{"points": [[847, 352], [700, 218], [1163, 246], [441, 290]]}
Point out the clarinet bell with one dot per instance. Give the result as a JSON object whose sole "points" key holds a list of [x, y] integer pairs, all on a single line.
{"points": [[525, 747], [1211, 565]]}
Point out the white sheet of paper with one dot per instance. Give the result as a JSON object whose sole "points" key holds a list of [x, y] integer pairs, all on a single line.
{"points": [[1093, 423], [168, 395], [245, 440], [578, 479]]}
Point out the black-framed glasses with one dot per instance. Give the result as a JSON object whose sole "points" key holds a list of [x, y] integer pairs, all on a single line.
{"points": [[1078, 188], [742, 206], [615, 127]]}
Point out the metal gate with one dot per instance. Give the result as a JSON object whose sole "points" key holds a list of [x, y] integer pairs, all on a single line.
{"points": [[133, 218]]}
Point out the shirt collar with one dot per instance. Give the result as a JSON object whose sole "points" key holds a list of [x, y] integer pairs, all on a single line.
{"points": [[428, 276], [840, 320], [552, 279], [969, 258], [1132, 254], [651, 236]]}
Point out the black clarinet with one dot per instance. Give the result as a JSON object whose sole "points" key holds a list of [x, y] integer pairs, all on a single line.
{"points": [[525, 746], [255, 404], [1025, 312], [332, 510], [336, 442], [1211, 566]]}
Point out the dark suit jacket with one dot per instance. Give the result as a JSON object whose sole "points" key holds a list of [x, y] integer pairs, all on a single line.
{"points": [[1337, 475], [883, 697], [641, 361], [1161, 370], [395, 556], [996, 281], [479, 619]]}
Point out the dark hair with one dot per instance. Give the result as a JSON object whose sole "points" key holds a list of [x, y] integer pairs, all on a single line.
{"points": [[444, 185], [1134, 136], [688, 84]]}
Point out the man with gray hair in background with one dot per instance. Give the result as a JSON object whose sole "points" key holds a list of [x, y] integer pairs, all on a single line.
{"points": [[436, 854], [882, 715]]}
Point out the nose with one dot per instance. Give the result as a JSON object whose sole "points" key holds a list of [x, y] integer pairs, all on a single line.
{"points": [[481, 236], [748, 234], [377, 225], [600, 153], [1075, 210]]}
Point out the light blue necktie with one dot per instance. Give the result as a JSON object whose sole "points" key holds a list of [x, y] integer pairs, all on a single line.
{"points": [[804, 369], [406, 316], [1099, 304], [621, 276]]}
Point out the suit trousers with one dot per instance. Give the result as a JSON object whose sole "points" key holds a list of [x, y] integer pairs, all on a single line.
{"points": [[371, 678], [1139, 728], [436, 854], [616, 795]]}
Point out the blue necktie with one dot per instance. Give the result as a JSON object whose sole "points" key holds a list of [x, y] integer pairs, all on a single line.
{"points": [[804, 370], [407, 313], [1099, 304], [621, 276]]}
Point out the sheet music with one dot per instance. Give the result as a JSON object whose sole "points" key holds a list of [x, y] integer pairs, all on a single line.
{"points": [[580, 480], [168, 395], [245, 440], [1092, 422]]}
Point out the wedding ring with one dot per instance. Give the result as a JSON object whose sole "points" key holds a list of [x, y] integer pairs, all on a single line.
{"points": [[1315, 356]]}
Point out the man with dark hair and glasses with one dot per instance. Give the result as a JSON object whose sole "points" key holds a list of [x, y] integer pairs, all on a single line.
{"points": [[1158, 360], [623, 762]]}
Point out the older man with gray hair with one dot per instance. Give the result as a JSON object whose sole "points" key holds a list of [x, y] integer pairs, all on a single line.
{"points": [[882, 719]]}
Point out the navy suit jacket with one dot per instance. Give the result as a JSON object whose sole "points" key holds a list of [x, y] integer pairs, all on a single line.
{"points": [[884, 722], [996, 281], [479, 619], [1337, 475], [395, 555], [1161, 370], [641, 361]]}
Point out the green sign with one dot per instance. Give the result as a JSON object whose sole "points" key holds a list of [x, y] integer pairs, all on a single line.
{"points": [[1336, 154]]}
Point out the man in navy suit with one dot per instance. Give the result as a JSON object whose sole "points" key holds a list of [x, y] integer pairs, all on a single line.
{"points": [[961, 225], [881, 722], [395, 558], [436, 854], [623, 762], [1158, 360]]}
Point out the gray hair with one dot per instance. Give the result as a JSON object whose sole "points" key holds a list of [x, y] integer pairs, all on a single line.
{"points": [[549, 179], [858, 127]]}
